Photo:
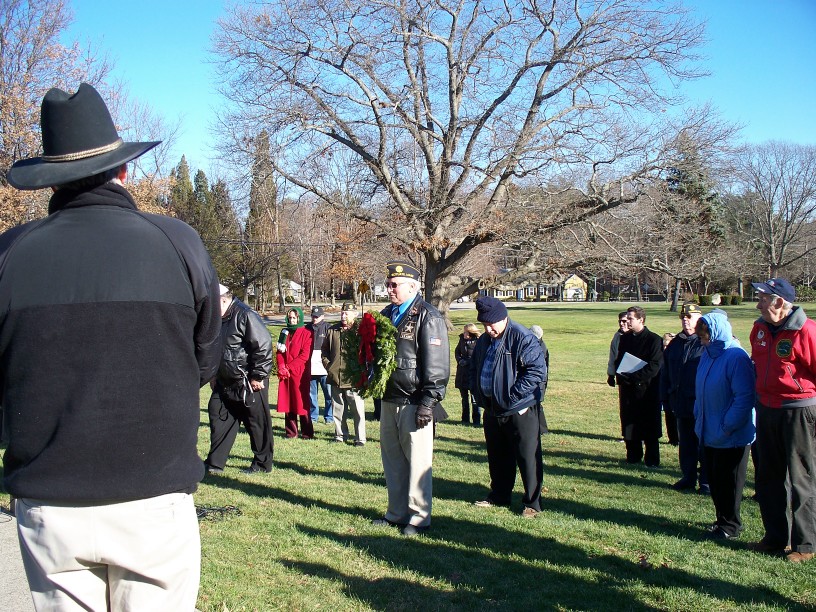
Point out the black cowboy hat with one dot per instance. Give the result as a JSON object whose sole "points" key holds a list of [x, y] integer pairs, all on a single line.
{"points": [[79, 140]]}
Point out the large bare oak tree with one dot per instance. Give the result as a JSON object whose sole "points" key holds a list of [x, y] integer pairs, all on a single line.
{"points": [[449, 109]]}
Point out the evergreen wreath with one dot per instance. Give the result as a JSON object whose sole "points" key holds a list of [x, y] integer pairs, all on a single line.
{"points": [[369, 354]]}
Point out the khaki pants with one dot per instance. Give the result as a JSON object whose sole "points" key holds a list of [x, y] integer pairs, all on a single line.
{"points": [[407, 453], [345, 401], [136, 555]]}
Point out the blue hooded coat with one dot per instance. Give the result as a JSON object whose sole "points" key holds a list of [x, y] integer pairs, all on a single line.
{"points": [[724, 406]]}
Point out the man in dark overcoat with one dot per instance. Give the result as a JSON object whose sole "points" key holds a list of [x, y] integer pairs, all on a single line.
{"points": [[639, 390]]}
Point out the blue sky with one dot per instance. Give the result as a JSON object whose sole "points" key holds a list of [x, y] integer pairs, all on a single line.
{"points": [[761, 55]]}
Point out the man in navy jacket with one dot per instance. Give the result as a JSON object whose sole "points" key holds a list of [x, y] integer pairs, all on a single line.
{"points": [[506, 372]]}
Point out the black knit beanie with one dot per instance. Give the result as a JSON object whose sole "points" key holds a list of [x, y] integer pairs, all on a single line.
{"points": [[490, 310]]}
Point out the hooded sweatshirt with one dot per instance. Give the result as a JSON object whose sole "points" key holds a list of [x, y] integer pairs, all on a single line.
{"points": [[724, 406]]}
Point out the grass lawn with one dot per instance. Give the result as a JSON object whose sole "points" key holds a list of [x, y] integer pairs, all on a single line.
{"points": [[612, 536]]}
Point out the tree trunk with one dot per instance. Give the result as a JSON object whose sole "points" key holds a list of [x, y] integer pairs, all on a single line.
{"points": [[676, 295]]}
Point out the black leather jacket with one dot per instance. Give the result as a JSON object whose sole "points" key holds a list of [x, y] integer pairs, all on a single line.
{"points": [[423, 356], [247, 345]]}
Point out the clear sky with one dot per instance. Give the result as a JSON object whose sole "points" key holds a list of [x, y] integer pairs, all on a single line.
{"points": [[761, 55]]}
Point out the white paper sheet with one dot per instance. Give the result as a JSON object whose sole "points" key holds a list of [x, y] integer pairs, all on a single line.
{"points": [[630, 364]]}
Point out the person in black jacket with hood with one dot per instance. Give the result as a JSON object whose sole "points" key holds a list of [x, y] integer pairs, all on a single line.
{"points": [[241, 390]]}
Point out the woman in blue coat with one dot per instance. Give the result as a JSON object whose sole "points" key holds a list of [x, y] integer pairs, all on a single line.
{"points": [[724, 418]]}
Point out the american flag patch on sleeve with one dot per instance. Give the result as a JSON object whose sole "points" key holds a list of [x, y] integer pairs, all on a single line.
{"points": [[435, 341]]}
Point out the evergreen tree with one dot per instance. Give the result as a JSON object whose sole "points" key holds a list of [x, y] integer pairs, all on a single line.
{"points": [[182, 201], [225, 249], [261, 261]]}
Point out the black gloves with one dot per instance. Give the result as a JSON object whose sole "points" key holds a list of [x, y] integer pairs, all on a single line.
{"points": [[610, 380], [424, 415]]}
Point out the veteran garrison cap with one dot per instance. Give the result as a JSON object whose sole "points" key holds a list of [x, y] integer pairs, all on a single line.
{"points": [[348, 307], [689, 308], [402, 269]]}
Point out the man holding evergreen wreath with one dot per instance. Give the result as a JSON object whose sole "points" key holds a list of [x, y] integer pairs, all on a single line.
{"points": [[413, 390]]}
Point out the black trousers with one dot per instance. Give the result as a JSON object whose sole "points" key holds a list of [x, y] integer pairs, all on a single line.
{"points": [[671, 427], [726, 477], [786, 445], [634, 451], [690, 453], [469, 407], [514, 441], [225, 417]]}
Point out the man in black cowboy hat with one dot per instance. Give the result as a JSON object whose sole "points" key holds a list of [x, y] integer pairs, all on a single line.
{"points": [[414, 389], [119, 311]]}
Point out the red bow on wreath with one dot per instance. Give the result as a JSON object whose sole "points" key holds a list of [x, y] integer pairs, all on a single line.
{"points": [[368, 333]]}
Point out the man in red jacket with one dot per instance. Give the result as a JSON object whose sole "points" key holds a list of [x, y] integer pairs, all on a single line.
{"points": [[783, 347]]}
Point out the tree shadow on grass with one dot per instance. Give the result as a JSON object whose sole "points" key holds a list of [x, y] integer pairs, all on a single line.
{"points": [[268, 491], [519, 571], [583, 434]]}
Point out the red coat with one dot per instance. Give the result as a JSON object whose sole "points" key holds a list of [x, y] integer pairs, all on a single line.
{"points": [[785, 361], [293, 391]]}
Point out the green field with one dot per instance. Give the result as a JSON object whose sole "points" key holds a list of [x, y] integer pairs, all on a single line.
{"points": [[612, 536]]}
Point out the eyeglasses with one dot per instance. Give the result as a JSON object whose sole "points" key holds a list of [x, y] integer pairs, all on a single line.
{"points": [[685, 316], [393, 285]]}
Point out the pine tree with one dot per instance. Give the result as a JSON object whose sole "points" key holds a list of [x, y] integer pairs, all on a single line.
{"points": [[182, 200], [225, 249], [262, 259]]}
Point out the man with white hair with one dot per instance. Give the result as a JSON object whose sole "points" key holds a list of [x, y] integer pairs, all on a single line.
{"points": [[345, 399], [414, 389], [783, 348]]}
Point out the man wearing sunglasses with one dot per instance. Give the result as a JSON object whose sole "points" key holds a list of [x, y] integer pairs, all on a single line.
{"points": [[415, 388], [677, 393]]}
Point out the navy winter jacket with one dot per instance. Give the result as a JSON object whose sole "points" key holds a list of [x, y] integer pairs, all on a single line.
{"points": [[679, 373], [519, 369]]}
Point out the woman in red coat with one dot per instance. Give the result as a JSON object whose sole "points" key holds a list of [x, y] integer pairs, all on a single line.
{"points": [[293, 355]]}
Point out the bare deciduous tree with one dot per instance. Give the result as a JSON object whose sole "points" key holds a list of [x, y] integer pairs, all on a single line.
{"points": [[776, 207], [446, 105]]}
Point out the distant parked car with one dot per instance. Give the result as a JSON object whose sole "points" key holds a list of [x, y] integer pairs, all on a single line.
{"points": [[464, 298]]}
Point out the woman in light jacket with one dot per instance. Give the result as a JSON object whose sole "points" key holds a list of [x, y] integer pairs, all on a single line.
{"points": [[724, 418]]}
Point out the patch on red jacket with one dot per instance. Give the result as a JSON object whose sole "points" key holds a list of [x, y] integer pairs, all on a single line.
{"points": [[784, 348]]}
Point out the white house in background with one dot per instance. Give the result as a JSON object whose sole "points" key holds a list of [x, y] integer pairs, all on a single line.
{"points": [[572, 289], [291, 290]]}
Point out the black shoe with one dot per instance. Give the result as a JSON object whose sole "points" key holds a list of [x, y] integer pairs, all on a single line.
{"points": [[704, 490], [412, 530], [683, 485], [254, 469], [384, 522], [211, 469], [721, 534]]}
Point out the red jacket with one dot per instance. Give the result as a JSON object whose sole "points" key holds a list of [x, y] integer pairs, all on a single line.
{"points": [[293, 391], [785, 361]]}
